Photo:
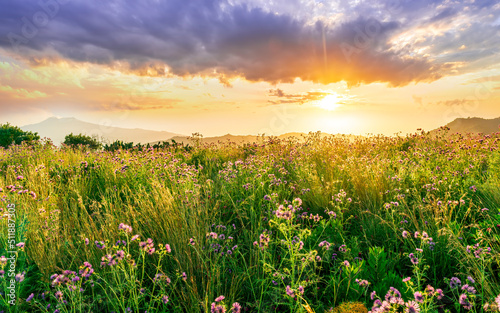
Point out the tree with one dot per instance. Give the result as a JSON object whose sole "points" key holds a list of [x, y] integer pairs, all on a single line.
{"points": [[82, 140], [14, 135]]}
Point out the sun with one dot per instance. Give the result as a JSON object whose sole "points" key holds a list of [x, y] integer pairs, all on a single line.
{"points": [[330, 102]]}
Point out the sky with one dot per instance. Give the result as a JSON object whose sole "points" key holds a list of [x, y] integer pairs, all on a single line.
{"points": [[251, 66]]}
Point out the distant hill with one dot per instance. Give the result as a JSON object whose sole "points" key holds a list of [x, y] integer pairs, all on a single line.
{"points": [[474, 125], [57, 128]]}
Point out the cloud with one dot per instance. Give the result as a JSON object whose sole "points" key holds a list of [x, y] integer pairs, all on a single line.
{"points": [[218, 38], [299, 98], [455, 102]]}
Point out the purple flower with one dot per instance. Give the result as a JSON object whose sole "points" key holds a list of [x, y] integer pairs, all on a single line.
{"points": [[30, 297], [464, 302], [405, 234], [59, 295], [412, 307], [346, 263], [407, 279], [373, 295], [134, 237], [217, 308], [219, 298], [418, 296], [126, 228], [19, 177], [20, 277], [164, 299], [87, 241], [289, 291], [470, 279], [301, 289], [455, 282], [236, 307]]}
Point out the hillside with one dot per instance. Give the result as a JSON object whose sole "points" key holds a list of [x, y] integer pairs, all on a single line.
{"points": [[57, 128]]}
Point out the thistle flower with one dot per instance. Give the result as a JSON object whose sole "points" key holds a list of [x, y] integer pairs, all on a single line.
{"points": [[236, 308], [418, 296], [126, 228], [455, 282], [219, 298]]}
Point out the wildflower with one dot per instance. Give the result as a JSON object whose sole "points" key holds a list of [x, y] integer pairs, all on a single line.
{"points": [[346, 263], [455, 282], [497, 300], [30, 297], [219, 298], [373, 295], [87, 241], [440, 294], [236, 307], [59, 295], [429, 290], [462, 299], [126, 228], [301, 289], [267, 198], [407, 279], [20, 245], [416, 234], [405, 234], [290, 292], [217, 308], [184, 276], [412, 307], [362, 283], [418, 297], [392, 293], [167, 248], [100, 245], [20, 177], [164, 299], [20, 277], [191, 241], [134, 237]]}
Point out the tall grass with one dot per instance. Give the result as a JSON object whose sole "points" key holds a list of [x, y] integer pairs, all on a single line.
{"points": [[278, 226]]}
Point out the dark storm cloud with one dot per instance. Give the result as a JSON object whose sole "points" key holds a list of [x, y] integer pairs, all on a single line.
{"points": [[221, 39]]}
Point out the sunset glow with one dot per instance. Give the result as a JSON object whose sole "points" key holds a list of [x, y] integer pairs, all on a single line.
{"points": [[226, 67], [330, 102]]}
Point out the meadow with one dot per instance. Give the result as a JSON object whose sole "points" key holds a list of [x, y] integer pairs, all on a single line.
{"points": [[326, 224]]}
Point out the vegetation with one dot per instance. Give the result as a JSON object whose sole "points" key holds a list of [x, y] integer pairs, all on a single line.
{"points": [[14, 135], [332, 224], [81, 140]]}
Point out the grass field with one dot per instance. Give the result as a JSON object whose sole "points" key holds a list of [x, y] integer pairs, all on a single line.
{"points": [[403, 224]]}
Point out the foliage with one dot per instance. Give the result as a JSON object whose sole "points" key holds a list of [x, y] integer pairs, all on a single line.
{"points": [[75, 141], [14, 135], [393, 223]]}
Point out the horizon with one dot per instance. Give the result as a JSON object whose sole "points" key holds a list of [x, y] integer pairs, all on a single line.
{"points": [[250, 67]]}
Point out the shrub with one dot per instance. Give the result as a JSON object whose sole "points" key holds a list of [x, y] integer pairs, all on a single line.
{"points": [[14, 135], [82, 140]]}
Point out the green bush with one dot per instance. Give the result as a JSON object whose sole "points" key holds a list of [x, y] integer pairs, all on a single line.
{"points": [[82, 140], [14, 135]]}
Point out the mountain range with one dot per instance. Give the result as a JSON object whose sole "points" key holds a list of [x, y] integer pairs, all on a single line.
{"points": [[57, 128]]}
